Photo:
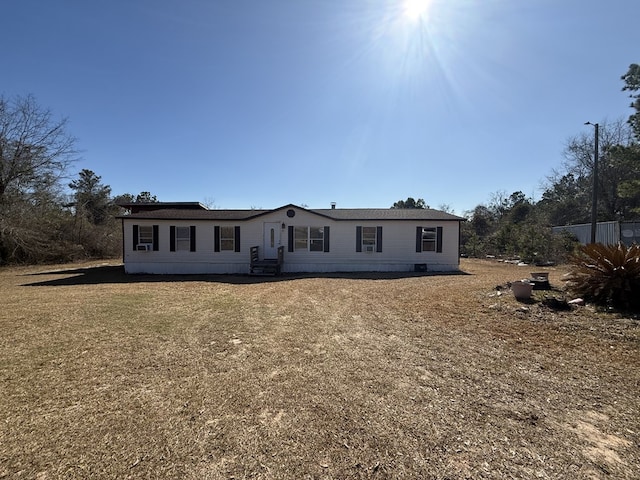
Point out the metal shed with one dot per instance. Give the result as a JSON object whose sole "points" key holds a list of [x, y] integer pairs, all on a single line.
{"points": [[609, 233]]}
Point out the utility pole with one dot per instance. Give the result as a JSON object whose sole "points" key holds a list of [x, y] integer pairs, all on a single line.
{"points": [[594, 199]]}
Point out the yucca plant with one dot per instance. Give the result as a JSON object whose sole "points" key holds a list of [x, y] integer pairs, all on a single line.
{"points": [[607, 275]]}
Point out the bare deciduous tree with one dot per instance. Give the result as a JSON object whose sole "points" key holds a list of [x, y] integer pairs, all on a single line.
{"points": [[34, 147], [35, 151], [579, 162]]}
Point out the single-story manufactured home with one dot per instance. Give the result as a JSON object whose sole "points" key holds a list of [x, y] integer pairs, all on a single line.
{"points": [[188, 238]]}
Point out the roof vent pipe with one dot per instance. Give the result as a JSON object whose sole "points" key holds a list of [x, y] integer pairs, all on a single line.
{"points": [[333, 205]]}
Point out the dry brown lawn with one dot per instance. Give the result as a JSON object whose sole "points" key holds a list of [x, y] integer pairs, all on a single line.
{"points": [[104, 375]]}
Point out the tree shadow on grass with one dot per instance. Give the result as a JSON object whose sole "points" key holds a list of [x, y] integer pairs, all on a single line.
{"points": [[111, 274]]}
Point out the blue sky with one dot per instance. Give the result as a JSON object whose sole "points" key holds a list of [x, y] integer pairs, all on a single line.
{"points": [[261, 103]]}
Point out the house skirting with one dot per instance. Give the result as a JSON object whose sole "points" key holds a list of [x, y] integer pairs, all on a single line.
{"points": [[199, 268]]}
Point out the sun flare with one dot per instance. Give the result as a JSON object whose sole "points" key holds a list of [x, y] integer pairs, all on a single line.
{"points": [[415, 9]]}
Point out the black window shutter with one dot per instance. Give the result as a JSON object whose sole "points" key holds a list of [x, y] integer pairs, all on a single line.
{"points": [[236, 235], [216, 238], [326, 239], [358, 239], [172, 238], [156, 238], [135, 237], [192, 238], [439, 239], [290, 239], [378, 239], [418, 239]]}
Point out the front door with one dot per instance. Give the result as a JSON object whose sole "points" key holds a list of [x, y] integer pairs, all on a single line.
{"points": [[271, 239]]}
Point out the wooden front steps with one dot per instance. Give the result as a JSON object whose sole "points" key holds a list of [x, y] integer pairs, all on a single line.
{"points": [[267, 266]]}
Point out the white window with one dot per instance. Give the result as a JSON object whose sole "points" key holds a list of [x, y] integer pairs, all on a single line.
{"points": [[309, 238], [316, 239], [429, 237], [183, 239], [369, 239], [145, 234], [227, 239], [301, 238]]}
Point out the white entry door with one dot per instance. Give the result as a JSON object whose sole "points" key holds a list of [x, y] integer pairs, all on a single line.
{"points": [[271, 239]]}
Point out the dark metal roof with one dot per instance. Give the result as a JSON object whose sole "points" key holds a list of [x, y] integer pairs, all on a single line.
{"points": [[177, 214], [137, 207], [386, 214], [338, 214]]}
